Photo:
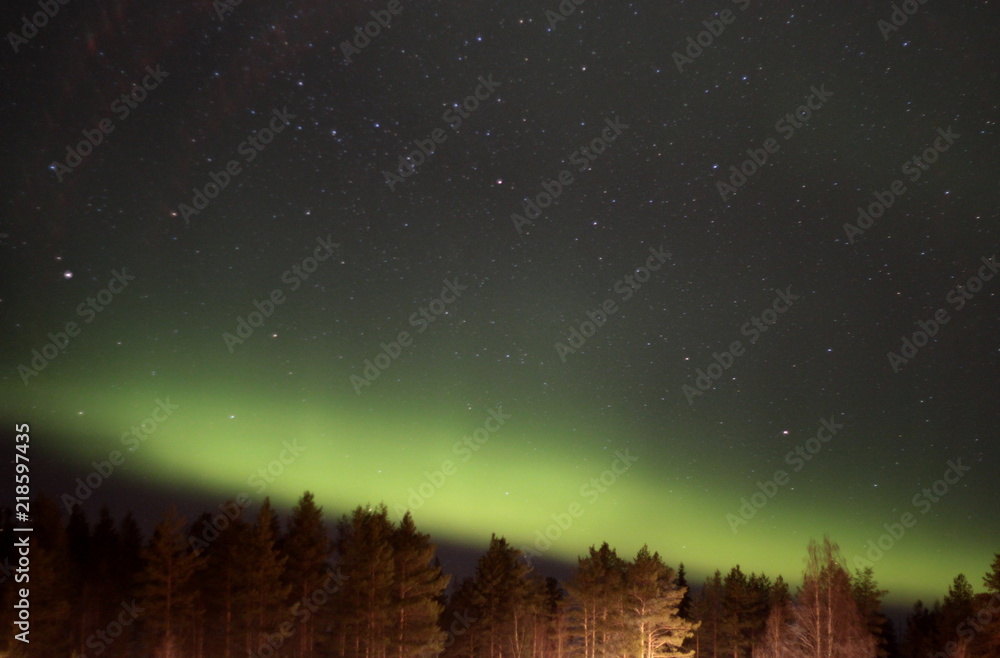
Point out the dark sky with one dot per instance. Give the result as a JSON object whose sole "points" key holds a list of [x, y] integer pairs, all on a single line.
{"points": [[491, 413]]}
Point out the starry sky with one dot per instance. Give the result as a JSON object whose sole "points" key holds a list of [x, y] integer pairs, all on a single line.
{"points": [[503, 270]]}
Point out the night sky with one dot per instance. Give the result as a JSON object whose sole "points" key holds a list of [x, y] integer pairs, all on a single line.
{"points": [[572, 265]]}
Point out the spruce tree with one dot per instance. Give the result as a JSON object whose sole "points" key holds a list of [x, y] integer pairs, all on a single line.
{"points": [[708, 611], [868, 598], [684, 609], [958, 606], [991, 581]]}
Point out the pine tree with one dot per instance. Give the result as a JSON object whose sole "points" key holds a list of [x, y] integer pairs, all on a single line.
{"points": [[365, 615], [110, 582], [308, 547], [505, 601], [760, 604], [104, 543], [460, 621], [736, 625], [598, 593], [85, 609], [418, 584], [222, 586], [126, 566], [988, 640], [168, 595], [538, 634], [129, 559], [921, 637], [51, 590], [265, 591], [652, 601], [555, 633], [708, 611]]}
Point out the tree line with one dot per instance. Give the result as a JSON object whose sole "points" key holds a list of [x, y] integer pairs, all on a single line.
{"points": [[226, 585]]}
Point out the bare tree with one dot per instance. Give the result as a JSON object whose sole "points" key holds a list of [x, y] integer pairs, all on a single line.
{"points": [[776, 639], [826, 622]]}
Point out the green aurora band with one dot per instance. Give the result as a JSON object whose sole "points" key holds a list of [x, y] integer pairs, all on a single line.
{"points": [[519, 483]]}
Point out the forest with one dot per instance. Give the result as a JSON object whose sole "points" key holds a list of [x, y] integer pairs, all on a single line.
{"points": [[225, 585]]}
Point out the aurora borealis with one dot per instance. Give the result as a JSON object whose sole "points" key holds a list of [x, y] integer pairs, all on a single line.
{"points": [[537, 317]]}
